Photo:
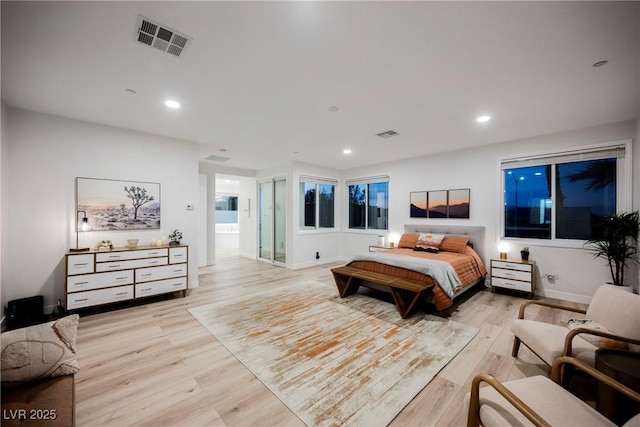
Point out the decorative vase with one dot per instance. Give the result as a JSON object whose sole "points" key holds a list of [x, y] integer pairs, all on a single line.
{"points": [[524, 255]]}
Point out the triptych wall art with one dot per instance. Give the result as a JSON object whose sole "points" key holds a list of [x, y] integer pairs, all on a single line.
{"points": [[440, 203], [118, 205]]}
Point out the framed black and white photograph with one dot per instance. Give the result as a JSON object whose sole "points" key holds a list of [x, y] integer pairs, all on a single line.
{"points": [[459, 203], [418, 204], [118, 205]]}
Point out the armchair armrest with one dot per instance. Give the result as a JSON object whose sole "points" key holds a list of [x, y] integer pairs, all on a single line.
{"points": [[557, 372], [574, 332], [548, 304], [474, 403]]}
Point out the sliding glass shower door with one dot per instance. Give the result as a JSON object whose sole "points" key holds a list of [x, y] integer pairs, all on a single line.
{"points": [[272, 206]]}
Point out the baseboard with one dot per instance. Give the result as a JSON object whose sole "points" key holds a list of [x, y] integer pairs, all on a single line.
{"points": [[249, 255], [564, 296], [314, 263], [194, 284]]}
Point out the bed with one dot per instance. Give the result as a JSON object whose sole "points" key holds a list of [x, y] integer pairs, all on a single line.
{"points": [[455, 268]]}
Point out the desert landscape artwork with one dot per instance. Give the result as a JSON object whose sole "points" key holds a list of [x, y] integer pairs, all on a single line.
{"points": [[118, 205], [440, 204]]}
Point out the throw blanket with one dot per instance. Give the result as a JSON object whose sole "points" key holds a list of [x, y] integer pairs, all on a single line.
{"points": [[441, 271]]}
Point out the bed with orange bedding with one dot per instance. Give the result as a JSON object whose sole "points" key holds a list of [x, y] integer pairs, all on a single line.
{"points": [[465, 261]]}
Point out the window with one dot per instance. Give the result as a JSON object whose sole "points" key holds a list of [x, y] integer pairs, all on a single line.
{"points": [[561, 196], [226, 209], [317, 203], [368, 204]]}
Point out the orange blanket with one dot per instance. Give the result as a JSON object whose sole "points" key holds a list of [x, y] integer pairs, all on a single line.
{"points": [[468, 266]]}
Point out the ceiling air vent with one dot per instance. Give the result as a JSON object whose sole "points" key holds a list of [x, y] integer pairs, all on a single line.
{"points": [[217, 158], [161, 37], [387, 134]]}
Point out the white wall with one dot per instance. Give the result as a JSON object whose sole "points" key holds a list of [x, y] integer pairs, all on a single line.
{"points": [[4, 172], [478, 169], [45, 155]]}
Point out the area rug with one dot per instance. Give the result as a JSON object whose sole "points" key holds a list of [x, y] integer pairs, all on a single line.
{"points": [[333, 361]]}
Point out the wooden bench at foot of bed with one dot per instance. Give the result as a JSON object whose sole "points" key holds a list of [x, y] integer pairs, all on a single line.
{"points": [[407, 293]]}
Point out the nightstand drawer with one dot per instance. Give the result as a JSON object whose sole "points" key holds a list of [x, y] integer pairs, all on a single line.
{"points": [[511, 284], [511, 274], [512, 266]]}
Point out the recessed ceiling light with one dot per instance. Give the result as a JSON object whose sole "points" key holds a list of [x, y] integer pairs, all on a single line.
{"points": [[172, 104], [131, 91], [347, 151], [600, 64], [483, 119], [333, 108]]}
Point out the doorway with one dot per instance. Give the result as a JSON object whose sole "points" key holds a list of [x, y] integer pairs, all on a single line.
{"points": [[272, 220]]}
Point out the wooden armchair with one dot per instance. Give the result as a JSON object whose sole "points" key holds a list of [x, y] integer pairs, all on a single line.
{"points": [[539, 401], [616, 310]]}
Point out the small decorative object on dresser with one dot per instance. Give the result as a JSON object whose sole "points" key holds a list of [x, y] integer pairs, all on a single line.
{"points": [[132, 243], [104, 244], [524, 253], [513, 274], [175, 237]]}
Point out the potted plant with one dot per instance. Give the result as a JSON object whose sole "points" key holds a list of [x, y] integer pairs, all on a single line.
{"points": [[524, 253], [617, 241], [175, 237]]}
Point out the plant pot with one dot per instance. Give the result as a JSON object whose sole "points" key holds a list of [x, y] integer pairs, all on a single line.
{"points": [[524, 255]]}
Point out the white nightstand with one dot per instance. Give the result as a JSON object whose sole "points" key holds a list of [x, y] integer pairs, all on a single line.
{"points": [[514, 274]]}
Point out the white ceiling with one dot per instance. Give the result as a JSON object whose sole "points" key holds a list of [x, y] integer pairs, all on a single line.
{"points": [[259, 77]]}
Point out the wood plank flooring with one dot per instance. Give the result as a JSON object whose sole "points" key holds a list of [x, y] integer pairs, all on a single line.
{"points": [[154, 365]]}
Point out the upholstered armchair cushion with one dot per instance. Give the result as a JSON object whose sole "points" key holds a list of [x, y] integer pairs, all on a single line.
{"points": [[546, 398], [547, 341], [617, 310]]}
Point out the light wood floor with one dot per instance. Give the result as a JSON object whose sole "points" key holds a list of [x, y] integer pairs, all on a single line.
{"points": [[154, 365]]}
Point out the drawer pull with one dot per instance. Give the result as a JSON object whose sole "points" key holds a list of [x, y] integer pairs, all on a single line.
{"points": [[81, 300], [122, 278], [81, 264], [153, 262], [178, 271], [146, 274], [145, 290], [82, 283], [153, 253], [178, 255], [122, 293], [177, 284], [114, 256], [115, 266]]}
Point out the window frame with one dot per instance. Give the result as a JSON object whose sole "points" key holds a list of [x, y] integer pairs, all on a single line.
{"points": [[624, 185], [317, 181], [365, 181]]}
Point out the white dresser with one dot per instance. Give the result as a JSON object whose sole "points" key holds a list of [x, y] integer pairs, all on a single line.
{"points": [[103, 277], [517, 275]]}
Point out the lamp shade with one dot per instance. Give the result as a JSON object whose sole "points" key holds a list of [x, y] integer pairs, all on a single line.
{"points": [[504, 247]]}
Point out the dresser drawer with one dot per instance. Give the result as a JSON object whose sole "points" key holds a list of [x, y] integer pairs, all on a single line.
{"points": [[99, 280], [177, 255], [79, 264], [125, 255], [512, 266], [511, 284], [100, 296], [511, 274], [161, 287], [169, 271], [136, 263]]}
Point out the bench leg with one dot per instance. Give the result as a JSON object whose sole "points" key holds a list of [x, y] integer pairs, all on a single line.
{"points": [[347, 285], [406, 301]]}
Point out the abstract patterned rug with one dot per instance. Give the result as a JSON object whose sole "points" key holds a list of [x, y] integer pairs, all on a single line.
{"points": [[334, 361]]}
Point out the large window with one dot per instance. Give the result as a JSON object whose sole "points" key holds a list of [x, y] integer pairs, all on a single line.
{"points": [[562, 196], [369, 204], [317, 204]]}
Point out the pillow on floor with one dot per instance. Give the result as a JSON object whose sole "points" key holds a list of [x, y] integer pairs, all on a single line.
{"points": [[596, 340], [39, 351]]}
